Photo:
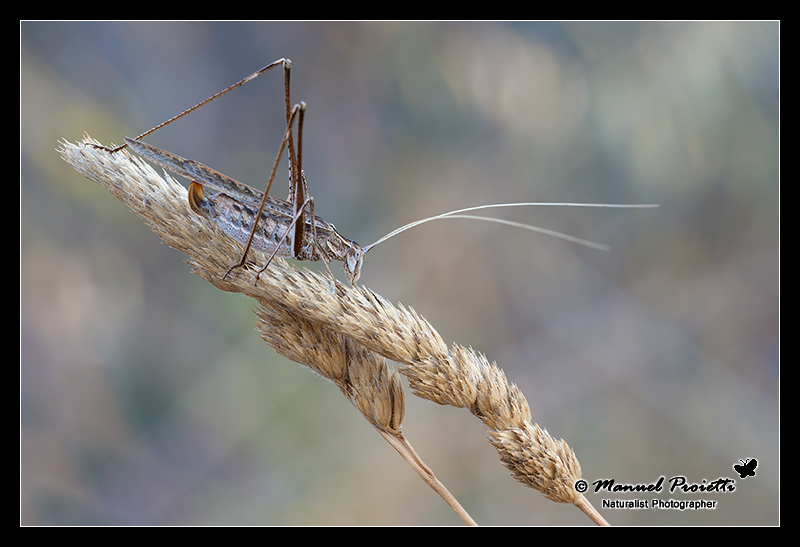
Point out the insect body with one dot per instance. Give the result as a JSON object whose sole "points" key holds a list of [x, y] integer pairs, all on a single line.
{"points": [[235, 210], [274, 233], [288, 228]]}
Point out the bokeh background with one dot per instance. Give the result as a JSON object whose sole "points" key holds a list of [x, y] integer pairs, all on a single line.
{"points": [[148, 398]]}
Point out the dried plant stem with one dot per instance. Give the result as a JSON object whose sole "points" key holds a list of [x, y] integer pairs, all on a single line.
{"points": [[401, 444], [361, 375], [345, 334], [584, 505]]}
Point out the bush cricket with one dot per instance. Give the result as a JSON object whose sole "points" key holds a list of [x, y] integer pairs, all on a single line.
{"points": [[289, 228]]}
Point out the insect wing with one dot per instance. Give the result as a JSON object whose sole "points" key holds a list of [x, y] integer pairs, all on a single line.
{"points": [[195, 170]]}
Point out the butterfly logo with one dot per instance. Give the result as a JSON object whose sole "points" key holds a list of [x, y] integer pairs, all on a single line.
{"points": [[747, 469]]}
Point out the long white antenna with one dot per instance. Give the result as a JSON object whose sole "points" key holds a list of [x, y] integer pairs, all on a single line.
{"points": [[457, 214]]}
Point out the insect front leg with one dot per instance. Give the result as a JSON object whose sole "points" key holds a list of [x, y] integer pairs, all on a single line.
{"points": [[320, 249]]}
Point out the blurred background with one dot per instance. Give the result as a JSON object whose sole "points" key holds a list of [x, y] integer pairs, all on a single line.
{"points": [[147, 397]]}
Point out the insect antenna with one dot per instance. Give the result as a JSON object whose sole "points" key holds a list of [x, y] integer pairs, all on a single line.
{"points": [[458, 214]]}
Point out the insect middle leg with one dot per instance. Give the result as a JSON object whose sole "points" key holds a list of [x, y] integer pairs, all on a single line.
{"points": [[301, 195], [300, 198]]}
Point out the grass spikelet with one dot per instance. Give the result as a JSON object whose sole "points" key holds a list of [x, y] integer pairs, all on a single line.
{"points": [[361, 375], [346, 333]]}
